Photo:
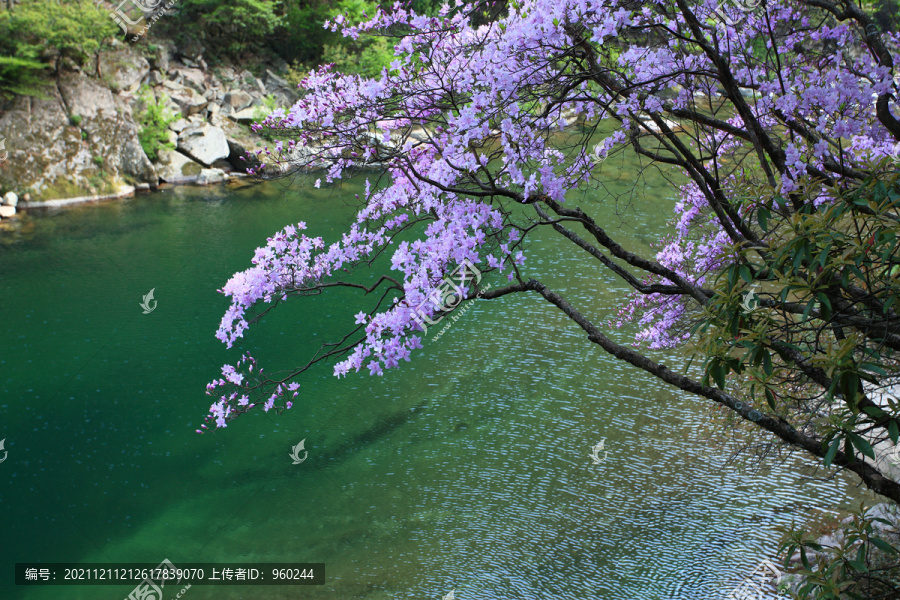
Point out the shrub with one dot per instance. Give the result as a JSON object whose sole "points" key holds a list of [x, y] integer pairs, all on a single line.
{"points": [[154, 121]]}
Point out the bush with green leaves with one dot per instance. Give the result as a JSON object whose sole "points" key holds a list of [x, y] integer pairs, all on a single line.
{"points": [[46, 31], [860, 562], [232, 28], [154, 120]]}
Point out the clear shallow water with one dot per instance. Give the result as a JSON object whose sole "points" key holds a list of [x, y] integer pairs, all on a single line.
{"points": [[467, 469]]}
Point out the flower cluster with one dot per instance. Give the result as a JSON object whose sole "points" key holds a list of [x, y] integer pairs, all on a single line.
{"points": [[465, 122]]}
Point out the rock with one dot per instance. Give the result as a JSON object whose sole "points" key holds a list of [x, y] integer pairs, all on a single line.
{"points": [[10, 199], [161, 60], [261, 86], [155, 78], [188, 101], [7, 211], [204, 143], [210, 176], [142, 187], [238, 100], [193, 78], [168, 83], [86, 98], [54, 159], [246, 116], [26, 198], [179, 125], [273, 81], [238, 150], [122, 69], [175, 167]]}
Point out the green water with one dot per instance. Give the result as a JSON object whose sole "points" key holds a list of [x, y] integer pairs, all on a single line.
{"points": [[467, 469]]}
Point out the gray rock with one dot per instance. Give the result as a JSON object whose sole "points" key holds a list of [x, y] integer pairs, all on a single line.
{"points": [[210, 176], [175, 167], [188, 101], [273, 81], [246, 116], [168, 83], [55, 159], [193, 78], [7, 211], [11, 199], [179, 125], [204, 143], [122, 69], [155, 78], [86, 98], [238, 100]]}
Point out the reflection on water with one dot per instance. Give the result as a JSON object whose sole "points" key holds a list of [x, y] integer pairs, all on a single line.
{"points": [[468, 469]]}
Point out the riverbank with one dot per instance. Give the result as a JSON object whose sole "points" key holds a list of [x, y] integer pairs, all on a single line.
{"points": [[135, 119]]}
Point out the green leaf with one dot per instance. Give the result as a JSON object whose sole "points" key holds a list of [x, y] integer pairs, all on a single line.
{"points": [[767, 362], [894, 431], [858, 566], [825, 305], [883, 545], [770, 399], [862, 445], [745, 273], [762, 215], [718, 374], [832, 451]]}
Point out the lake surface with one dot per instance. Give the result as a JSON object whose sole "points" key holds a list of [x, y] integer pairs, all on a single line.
{"points": [[467, 469]]}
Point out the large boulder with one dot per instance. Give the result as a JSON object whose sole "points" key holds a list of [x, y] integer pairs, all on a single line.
{"points": [[175, 167], [203, 143], [80, 137], [122, 69]]}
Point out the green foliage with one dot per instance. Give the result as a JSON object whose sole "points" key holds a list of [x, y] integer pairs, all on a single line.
{"points": [[75, 120], [861, 564], [154, 121], [366, 59], [43, 30], [822, 323], [98, 160], [229, 28], [21, 76]]}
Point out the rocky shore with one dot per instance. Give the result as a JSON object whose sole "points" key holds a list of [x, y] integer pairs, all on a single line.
{"points": [[81, 143]]}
